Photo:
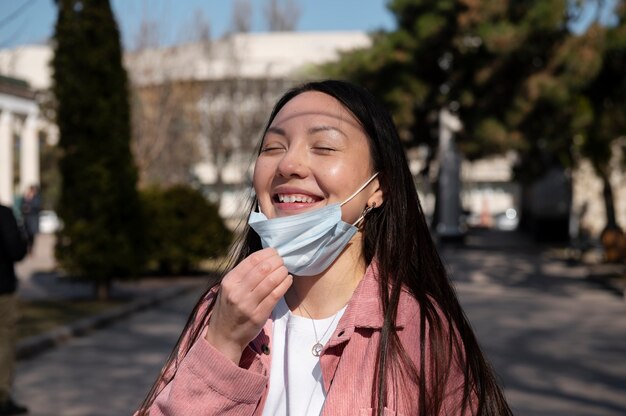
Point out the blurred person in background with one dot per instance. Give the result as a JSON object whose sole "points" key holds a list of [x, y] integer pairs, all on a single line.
{"points": [[12, 249], [30, 206], [338, 302]]}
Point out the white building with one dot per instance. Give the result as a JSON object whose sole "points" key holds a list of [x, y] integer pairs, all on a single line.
{"points": [[19, 138], [24, 71], [273, 55], [30, 63]]}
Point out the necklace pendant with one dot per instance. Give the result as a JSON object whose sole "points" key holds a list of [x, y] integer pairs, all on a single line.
{"points": [[317, 349]]}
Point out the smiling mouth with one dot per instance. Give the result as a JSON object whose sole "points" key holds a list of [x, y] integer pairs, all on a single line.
{"points": [[295, 199]]}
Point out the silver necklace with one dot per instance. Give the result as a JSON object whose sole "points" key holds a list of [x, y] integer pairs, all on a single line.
{"points": [[316, 350]]}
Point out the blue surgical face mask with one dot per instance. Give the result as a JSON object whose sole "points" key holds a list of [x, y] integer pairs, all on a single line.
{"points": [[307, 242]]}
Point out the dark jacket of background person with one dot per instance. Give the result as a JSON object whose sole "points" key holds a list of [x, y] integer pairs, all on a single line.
{"points": [[12, 249], [30, 207]]}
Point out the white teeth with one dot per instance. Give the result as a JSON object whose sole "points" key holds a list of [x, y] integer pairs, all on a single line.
{"points": [[294, 198]]}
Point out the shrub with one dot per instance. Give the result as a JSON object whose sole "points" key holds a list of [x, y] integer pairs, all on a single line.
{"points": [[183, 229]]}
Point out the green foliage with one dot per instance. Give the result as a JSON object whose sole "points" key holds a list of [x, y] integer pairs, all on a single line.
{"points": [[183, 229], [50, 176], [429, 25], [102, 236]]}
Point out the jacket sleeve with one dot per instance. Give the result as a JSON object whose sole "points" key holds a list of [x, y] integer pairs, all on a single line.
{"points": [[207, 383], [13, 244]]}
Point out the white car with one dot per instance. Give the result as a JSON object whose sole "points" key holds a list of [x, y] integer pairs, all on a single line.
{"points": [[49, 223]]}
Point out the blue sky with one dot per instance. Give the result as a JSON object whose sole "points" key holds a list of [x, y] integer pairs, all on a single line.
{"points": [[32, 21]]}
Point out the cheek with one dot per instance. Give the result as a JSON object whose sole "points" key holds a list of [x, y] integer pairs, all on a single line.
{"points": [[349, 174], [334, 171], [261, 176], [331, 178]]}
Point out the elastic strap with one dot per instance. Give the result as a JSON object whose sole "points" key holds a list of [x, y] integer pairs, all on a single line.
{"points": [[360, 189]]}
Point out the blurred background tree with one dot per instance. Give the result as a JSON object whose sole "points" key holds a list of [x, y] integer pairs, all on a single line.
{"points": [[103, 235], [515, 73]]}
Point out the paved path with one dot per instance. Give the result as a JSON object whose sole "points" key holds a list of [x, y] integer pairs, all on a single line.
{"points": [[557, 340], [107, 373]]}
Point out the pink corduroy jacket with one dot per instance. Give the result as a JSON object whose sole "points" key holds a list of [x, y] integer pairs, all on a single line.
{"points": [[208, 383]]}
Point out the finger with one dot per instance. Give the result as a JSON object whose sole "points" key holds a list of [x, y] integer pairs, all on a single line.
{"points": [[266, 285], [262, 270], [238, 290], [246, 265], [266, 306]]}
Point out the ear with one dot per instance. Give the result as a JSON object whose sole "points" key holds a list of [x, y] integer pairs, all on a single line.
{"points": [[377, 196]]}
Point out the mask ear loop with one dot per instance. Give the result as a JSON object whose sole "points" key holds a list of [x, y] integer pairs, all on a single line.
{"points": [[359, 190]]}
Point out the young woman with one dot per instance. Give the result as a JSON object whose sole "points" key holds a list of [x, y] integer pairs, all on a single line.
{"points": [[337, 303]]}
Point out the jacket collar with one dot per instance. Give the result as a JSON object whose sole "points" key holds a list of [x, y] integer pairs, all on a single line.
{"points": [[364, 309]]}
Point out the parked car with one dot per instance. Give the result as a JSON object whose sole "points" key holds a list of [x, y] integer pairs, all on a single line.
{"points": [[49, 222]]}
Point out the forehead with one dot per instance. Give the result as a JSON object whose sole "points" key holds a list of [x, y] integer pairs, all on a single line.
{"points": [[315, 105]]}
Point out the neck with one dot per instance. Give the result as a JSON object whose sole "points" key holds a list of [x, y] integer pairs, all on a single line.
{"points": [[325, 294]]}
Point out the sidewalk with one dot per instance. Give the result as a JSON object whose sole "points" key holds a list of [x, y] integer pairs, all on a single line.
{"points": [[557, 264], [39, 280], [554, 335]]}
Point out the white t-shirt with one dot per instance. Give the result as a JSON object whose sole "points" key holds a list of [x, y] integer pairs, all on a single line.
{"points": [[296, 386]]}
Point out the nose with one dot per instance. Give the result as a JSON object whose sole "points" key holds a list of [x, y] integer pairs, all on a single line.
{"points": [[293, 163]]}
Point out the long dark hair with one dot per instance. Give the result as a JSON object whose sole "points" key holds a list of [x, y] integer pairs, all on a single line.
{"points": [[397, 236]]}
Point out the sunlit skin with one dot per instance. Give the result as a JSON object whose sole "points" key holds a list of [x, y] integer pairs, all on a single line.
{"points": [[314, 153]]}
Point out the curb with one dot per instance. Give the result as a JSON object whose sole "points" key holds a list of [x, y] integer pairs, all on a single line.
{"points": [[36, 344]]}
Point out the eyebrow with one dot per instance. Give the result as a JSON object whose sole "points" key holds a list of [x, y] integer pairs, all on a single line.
{"points": [[317, 129], [276, 130], [312, 130]]}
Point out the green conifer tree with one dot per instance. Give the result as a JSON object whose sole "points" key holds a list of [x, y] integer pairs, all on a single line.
{"points": [[102, 235]]}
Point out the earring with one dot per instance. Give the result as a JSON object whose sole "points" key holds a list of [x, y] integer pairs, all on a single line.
{"points": [[368, 209]]}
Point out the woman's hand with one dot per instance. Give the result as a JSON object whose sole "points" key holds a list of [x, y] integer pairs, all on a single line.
{"points": [[246, 298]]}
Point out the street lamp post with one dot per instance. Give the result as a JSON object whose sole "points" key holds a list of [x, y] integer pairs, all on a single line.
{"points": [[449, 226]]}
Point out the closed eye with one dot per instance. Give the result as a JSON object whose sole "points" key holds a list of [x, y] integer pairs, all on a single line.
{"points": [[271, 149], [323, 150]]}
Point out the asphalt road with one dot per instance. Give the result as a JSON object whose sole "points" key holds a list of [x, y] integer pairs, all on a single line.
{"points": [[557, 340]]}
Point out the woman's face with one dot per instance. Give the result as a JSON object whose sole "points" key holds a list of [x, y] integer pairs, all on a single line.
{"points": [[314, 153]]}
